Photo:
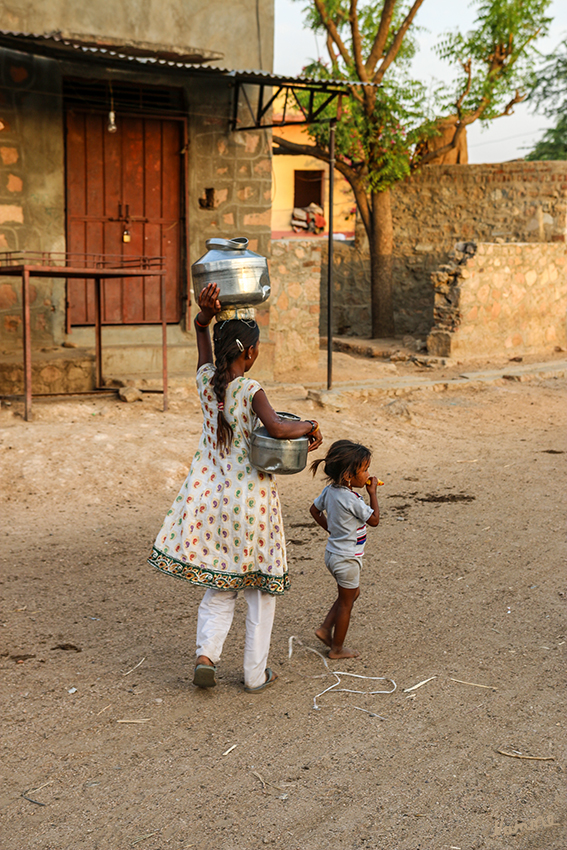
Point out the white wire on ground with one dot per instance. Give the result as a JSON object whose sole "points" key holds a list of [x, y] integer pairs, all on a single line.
{"points": [[338, 674]]}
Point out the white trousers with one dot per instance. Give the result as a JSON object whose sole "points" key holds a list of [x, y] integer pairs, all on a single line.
{"points": [[215, 619]]}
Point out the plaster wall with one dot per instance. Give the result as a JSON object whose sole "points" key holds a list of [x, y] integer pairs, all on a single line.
{"points": [[284, 168], [242, 31], [32, 191]]}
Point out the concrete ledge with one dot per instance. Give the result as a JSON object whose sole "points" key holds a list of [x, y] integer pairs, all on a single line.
{"points": [[344, 394]]}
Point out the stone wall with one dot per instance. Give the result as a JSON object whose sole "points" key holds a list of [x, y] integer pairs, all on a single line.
{"points": [[295, 272], [351, 289], [440, 205], [500, 299]]}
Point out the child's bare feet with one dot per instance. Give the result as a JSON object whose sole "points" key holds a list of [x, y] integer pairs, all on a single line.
{"points": [[344, 652], [325, 635]]}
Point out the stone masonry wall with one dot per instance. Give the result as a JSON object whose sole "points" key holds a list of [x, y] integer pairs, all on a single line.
{"points": [[509, 202], [351, 289], [295, 272], [500, 299]]}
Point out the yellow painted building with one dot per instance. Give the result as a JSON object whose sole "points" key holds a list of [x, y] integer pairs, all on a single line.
{"points": [[301, 180]]}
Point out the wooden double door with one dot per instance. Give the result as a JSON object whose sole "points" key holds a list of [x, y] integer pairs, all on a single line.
{"points": [[125, 199]]}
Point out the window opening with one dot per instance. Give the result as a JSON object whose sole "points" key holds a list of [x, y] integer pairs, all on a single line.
{"points": [[308, 188]]}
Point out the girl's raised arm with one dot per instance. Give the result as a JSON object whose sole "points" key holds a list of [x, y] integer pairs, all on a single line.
{"points": [[210, 305], [283, 429]]}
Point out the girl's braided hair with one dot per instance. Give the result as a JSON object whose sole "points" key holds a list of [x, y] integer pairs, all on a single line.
{"points": [[230, 339], [343, 457]]}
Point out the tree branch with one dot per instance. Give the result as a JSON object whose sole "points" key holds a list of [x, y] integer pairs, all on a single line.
{"points": [[332, 56], [397, 42], [381, 36], [332, 30], [350, 173], [459, 130], [508, 109], [460, 124], [357, 41], [467, 67]]}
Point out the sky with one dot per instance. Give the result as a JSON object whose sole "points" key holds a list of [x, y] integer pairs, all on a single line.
{"points": [[506, 138]]}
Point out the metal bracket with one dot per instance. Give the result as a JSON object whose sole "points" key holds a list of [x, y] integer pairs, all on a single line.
{"points": [[310, 113]]}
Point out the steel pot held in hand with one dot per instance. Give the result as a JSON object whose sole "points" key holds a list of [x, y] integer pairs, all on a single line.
{"points": [[284, 457], [241, 275]]}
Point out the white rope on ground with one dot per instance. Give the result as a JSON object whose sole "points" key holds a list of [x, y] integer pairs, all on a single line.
{"points": [[338, 674]]}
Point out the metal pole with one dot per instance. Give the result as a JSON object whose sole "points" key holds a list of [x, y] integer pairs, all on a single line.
{"points": [[330, 256], [163, 339], [27, 344], [98, 335]]}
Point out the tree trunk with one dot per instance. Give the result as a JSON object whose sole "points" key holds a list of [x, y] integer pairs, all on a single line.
{"points": [[381, 242]]}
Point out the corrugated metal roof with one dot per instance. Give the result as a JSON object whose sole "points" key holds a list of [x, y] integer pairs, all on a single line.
{"points": [[108, 46], [141, 55]]}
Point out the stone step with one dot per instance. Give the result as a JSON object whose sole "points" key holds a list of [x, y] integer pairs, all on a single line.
{"points": [[57, 370]]}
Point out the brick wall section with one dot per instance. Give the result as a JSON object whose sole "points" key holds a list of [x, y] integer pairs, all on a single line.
{"points": [[442, 204], [295, 272], [237, 166], [31, 191], [504, 299]]}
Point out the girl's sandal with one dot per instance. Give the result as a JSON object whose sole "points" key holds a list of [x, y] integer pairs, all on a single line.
{"points": [[204, 676], [270, 679]]}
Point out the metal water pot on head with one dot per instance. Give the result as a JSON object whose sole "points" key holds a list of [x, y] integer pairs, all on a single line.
{"points": [[241, 275]]}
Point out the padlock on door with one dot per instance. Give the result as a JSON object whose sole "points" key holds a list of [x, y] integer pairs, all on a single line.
{"points": [[126, 237]]}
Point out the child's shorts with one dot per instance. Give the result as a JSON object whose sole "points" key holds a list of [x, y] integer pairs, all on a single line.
{"points": [[345, 570]]}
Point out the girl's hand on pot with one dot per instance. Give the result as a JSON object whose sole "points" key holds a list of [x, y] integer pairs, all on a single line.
{"points": [[315, 439], [209, 301]]}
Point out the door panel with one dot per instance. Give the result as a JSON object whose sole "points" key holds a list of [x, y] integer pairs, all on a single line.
{"points": [[130, 180]]}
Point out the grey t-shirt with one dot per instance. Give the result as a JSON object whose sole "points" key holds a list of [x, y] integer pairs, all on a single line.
{"points": [[347, 514]]}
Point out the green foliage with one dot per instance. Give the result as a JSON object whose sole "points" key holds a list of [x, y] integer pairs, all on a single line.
{"points": [[499, 53], [553, 145], [378, 138], [383, 131], [549, 83], [369, 13], [549, 93], [378, 144]]}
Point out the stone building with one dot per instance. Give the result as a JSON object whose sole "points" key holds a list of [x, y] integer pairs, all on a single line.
{"points": [[122, 144]]}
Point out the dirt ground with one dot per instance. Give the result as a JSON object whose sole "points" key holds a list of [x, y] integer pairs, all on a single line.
{"points": [[105, 742]]}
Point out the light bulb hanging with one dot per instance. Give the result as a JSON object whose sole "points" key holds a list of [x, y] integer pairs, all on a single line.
{"points": [[111, 126]]}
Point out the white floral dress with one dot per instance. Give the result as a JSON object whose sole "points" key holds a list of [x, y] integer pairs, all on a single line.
{"points": [[225, 528]]}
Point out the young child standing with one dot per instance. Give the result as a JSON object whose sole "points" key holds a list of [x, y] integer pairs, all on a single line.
{"points": [[344, 515], [224, 531]]}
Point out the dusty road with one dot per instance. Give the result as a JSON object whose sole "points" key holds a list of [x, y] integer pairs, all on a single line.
{"points": [[114, 748]]}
